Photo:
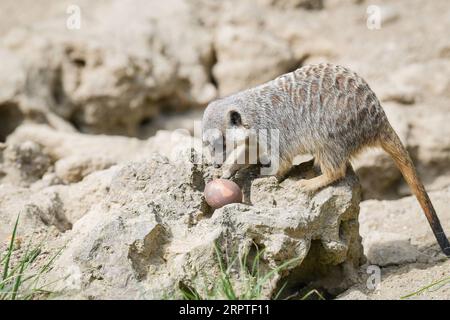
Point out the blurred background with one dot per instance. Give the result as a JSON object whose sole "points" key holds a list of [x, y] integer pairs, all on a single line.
{"points": [[131, 68], [90, 90]]}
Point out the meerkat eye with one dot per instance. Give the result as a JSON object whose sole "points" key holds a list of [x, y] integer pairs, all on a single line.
{"points": [[235, 118]]}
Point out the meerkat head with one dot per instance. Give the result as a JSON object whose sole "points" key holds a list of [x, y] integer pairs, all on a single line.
{"points": [[222, 120]]}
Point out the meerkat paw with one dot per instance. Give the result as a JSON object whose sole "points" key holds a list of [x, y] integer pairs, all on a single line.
{"points": [[230, 170], [308, 185], [227, 174]]}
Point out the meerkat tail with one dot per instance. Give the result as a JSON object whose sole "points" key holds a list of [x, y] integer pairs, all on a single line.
{"points": [[391, 143]]}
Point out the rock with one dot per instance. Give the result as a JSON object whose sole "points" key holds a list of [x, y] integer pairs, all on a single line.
{"points": [[113, 85], [171, 144], [63, 145], [264, 56], [12, 77], [292, 4], [47, 205], [10, 118], [378, 174], [409, 85], [171, 122], [139, 221], [153, 232], [34, 150], [12, 200], [384, 248], [23, 163], [75, 168]]}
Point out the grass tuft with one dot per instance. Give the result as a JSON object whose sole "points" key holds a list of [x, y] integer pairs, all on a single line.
{"points": [[20, 280], [251, 276]]}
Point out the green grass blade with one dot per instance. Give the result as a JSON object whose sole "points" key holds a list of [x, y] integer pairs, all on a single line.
{"points": [[415, 293], [21, 280], [280, 291], [306, 296], [226, 284], [275, 270], [189, 293], [9, 251], [251, 280]]}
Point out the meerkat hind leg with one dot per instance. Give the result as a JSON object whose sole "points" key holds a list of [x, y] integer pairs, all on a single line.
{"points": [[327, 177]]}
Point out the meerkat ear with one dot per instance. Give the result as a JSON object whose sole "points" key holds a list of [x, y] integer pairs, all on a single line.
{"points": [[235, 118]]}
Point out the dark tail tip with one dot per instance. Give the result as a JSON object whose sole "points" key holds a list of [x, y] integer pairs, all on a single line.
{"points": [[443, 242], [446, 251]]}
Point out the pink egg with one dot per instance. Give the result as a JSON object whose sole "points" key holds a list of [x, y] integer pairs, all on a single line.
{"points": [[221, 192]]}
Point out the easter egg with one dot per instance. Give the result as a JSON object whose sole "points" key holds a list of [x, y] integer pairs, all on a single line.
{"points": [[221, 192]]}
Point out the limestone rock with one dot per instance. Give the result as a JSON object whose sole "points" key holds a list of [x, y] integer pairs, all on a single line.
{"points": [[154, 232], [264, 56], [292, 4], [23, 163], [110, 86]]}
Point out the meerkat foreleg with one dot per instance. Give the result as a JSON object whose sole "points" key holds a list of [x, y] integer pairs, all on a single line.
{"points": [[235, 161]]}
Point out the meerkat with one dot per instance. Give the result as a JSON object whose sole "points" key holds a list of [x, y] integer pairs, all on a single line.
{"points": [[324, 110]]}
